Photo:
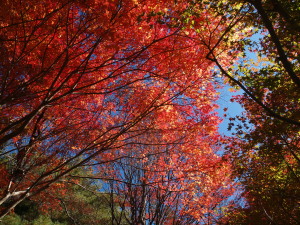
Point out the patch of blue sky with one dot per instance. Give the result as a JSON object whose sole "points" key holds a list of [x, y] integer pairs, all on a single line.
{"points": [[233, 108]]}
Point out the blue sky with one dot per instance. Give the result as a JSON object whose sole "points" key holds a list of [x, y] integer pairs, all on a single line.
{"points": [[233, 108]]}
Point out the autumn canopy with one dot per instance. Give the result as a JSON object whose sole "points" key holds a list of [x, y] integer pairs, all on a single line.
{"points": [[117, 99]]}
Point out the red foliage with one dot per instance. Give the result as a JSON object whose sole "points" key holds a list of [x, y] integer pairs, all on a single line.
{"points": [[81, 80]]}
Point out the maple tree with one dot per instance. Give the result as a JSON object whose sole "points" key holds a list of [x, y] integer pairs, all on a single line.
{"points": [[82, 80], [265, 149]]}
